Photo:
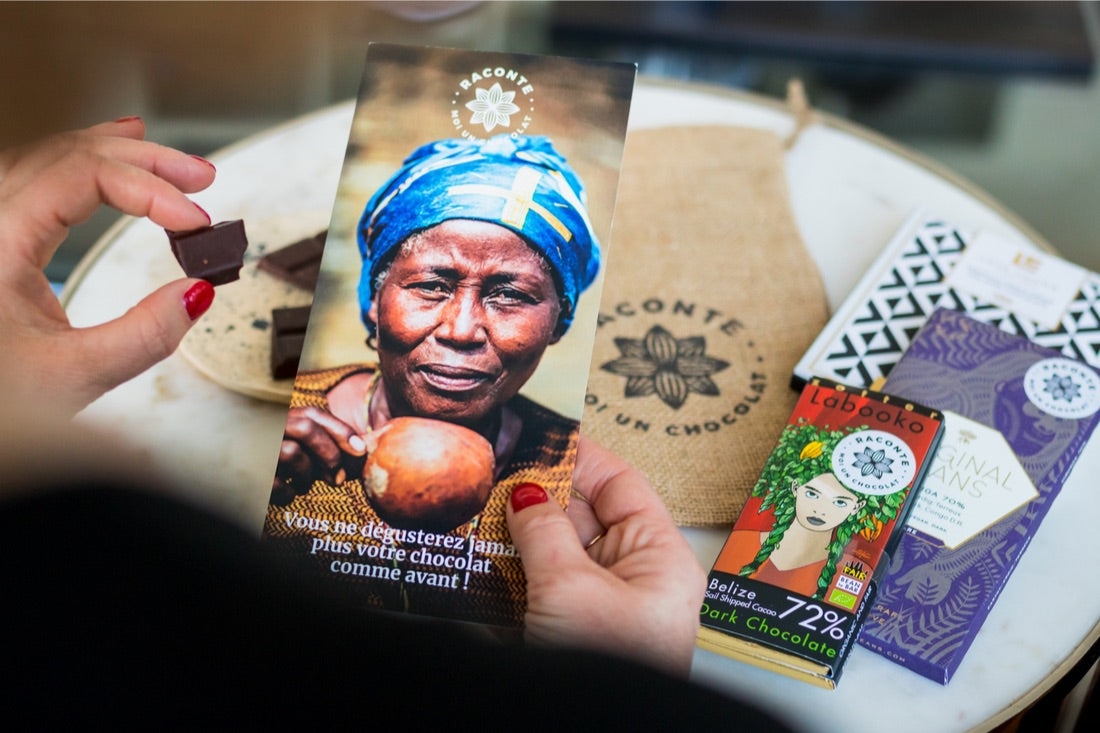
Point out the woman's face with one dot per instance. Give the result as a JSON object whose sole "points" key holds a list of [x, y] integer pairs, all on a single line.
{"points": [[822, 503], [464, 314]]}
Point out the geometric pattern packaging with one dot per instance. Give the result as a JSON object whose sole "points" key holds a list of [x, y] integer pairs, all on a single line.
{"points": [[911, 278], [1017, 417]]}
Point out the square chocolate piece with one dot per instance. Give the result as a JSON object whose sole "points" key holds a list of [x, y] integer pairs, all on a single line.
{"points": [[288, 333], [214, 253], [299, 263]]}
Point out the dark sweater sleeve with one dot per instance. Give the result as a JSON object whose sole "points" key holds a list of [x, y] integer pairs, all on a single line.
{"points": [[126, 606]]}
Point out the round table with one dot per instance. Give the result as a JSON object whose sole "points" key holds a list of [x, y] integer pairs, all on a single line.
{"points": [[850, 190]]}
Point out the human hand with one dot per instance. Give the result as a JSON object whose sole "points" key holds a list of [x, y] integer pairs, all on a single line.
{"points": [[316, 445], [50, 186], [614, 573]]}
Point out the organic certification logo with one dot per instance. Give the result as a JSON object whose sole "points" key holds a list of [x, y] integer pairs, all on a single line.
{"points": [[874, 462], [492, 101], [1063, 388]]}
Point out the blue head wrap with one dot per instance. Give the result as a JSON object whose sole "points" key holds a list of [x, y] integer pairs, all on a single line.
{"points": [[521, 183]]}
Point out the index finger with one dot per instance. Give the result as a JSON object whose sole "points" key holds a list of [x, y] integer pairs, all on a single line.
{"points": [[37, 216], [122, 140], [188, 173], [131, 127]]}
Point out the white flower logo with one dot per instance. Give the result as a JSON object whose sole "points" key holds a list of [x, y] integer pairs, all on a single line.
{"points": [[492, 108]]}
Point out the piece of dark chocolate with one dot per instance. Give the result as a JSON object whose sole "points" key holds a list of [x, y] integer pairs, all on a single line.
{"points": [[214, 253], [288, 332], [299, 263]]}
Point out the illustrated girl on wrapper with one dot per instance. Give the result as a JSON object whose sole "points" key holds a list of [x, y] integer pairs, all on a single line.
{"points": [[805, 518]]}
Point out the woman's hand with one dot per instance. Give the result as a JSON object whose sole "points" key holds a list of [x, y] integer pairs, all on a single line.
{"points": [[49, 186], [316, 445], [615, 574]]}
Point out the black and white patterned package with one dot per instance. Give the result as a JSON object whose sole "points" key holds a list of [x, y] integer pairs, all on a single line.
{"points": [[931, 263]]}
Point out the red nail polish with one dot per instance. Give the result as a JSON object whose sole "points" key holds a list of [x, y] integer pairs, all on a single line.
{"points": [[198, 298], [204, 160], [208, 219], [527, 494], [129, 118]]}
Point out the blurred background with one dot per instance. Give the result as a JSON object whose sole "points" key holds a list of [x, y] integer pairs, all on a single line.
{"points": [[1003, 93]]}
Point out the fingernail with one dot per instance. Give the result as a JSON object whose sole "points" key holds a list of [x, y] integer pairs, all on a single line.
{"points": [[527, 494], [357, 444], [198, 298], [128, 118], [204, 160], [208, 219]]}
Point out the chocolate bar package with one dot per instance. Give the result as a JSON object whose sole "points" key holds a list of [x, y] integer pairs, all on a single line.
{"points": [[931, 263], [793, 582], [1017, 416]]}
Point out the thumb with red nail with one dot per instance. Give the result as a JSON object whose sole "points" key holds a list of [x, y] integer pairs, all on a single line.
{"points": [[54, 184], [612, 573]]}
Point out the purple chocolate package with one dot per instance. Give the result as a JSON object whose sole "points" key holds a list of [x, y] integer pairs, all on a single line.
{"points": [[1017, 416]]}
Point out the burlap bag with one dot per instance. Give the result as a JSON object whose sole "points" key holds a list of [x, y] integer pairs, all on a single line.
{"points": [[709, 300]]}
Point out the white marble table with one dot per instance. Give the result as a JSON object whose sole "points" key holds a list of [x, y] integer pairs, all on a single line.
{"points": [[850, 191]]}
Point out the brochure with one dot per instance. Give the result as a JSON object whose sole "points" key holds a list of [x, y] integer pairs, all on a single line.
{"points": [[445, 357]]}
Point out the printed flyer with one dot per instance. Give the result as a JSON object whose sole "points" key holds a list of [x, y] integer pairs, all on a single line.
{"points": [[451, 333], [791, 586]]}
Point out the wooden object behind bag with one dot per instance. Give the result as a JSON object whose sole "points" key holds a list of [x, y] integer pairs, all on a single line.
{"points": [[709, 300]]}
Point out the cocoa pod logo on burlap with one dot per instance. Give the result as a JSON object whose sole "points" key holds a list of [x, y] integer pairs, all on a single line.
{"points": [[670, 368], [709, 300]]}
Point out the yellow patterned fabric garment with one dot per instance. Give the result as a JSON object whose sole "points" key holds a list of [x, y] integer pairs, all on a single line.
{"points": [[471, 573]]}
